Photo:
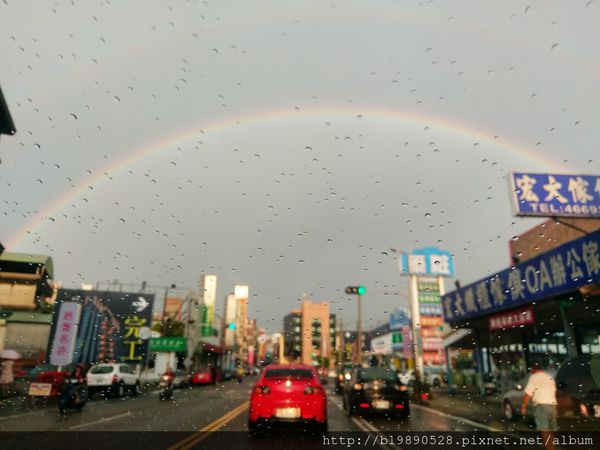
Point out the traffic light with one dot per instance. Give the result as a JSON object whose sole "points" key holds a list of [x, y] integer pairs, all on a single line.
{"points": [[357, 290], [231, 326]]}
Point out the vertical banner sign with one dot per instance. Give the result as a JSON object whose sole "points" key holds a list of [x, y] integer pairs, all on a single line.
{"points": [[406, 342], [430, 308], [241, 295], [65, 334], [208, 290], [113, 326]]}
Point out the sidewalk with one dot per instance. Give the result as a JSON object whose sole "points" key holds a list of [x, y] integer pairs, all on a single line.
{"points": [[485, 410]]}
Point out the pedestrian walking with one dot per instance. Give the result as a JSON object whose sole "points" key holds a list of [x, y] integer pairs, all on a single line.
{"points": [[6, 376], [541, 390]]}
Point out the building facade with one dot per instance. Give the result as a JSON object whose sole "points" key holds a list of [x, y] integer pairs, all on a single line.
{"points": [[310, 334]]}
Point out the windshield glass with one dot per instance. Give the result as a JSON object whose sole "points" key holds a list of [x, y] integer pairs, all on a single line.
{"points": [[373, 374], [225, 190], [291, 373], [102, 370]]}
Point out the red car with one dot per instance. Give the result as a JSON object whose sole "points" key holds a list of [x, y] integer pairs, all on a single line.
{"points": [[288, 393], [206, 375]]}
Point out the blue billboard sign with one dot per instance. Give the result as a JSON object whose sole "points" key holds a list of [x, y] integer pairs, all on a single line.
{"points": [[547, 195], [555, 272], [427, 261], [398, 319]]}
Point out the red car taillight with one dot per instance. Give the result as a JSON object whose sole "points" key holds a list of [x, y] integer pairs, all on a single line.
{"points": [[313, 390], [261, 389]]}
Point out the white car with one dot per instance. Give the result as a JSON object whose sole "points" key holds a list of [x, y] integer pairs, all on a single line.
{"points": [[113, 378]]}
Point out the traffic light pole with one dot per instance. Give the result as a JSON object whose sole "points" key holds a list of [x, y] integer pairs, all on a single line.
{"points": [[359, 331]]}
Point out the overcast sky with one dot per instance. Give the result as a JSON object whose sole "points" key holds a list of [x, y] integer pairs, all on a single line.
{"points": [[286, 145]]}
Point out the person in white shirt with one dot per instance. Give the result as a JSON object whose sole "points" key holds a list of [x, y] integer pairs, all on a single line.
{"points": [[541, 390]]}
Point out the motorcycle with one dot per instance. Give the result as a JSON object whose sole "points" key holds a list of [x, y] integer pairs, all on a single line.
{"points": [[73, 394], [165, 388]]}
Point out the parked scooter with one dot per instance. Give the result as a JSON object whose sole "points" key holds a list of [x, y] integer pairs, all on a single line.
{"points": [[73, 393], [165, 388]]}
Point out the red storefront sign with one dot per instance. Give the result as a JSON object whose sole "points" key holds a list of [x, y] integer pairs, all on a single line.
{"points": [[511, 319]]}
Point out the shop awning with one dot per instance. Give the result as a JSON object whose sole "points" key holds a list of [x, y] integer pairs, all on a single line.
{"points": [[6, 123], [456, 336], [26, 263], [205, 347]]}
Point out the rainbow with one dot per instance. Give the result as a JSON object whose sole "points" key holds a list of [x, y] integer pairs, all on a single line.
{"points": [[330, 113]]}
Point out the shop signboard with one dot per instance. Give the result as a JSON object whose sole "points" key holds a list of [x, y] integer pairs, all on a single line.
{"points": [[429, 261], [168, 344], [555, 195], [382, 344], [558, 271], [511, 319], [39, 389], [113, 326]]}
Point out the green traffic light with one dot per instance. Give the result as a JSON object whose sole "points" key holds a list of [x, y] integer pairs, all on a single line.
{"points": [[361, 290]]}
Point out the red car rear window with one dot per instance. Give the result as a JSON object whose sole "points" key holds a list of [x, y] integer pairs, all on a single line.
{"points": [[291, 372]]}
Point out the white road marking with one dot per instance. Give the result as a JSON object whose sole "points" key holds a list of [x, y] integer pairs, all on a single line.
{"points": [[457, 418], [105, 419], [364, 425]]}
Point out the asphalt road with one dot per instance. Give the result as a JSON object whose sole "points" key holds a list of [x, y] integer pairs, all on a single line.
{"points": [[193, 413]]}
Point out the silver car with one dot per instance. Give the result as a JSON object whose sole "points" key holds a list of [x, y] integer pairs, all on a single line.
{"points": [[513, 399]]}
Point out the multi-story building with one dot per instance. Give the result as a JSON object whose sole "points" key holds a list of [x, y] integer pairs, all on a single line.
{"points": [[309, 334]]}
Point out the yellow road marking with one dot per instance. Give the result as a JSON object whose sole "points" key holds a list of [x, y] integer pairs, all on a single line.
{"points": [[202, 434]]}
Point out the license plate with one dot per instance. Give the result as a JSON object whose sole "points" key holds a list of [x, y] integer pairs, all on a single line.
{"points": [[381, 404], [287, 413], [597, 410]]}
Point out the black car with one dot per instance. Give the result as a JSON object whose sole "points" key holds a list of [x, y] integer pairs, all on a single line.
{"points": [[342, 375], [578, 386], [375, 389]]}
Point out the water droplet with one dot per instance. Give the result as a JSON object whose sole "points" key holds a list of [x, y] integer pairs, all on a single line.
{"points": [[553, 46], [308, 148], [72, 116], [329, 241], [301, 261], [427, 215]]}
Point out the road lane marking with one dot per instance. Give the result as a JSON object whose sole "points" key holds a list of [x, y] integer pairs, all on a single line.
{"points": [[457, 418], [366, 427], [202, 434], [105, 419]]}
